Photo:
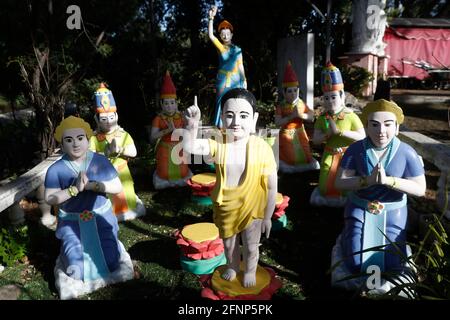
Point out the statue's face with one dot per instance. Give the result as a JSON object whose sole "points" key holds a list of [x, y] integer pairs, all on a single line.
{"points": [[226, 35], [75, 143], [291, 94], [169, 106], [107, 121], [333, 101], [238, 118], [381, 128]]}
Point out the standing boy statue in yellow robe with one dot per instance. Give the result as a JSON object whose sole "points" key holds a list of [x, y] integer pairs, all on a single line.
{"points": [[117, 145], [246, 180]]}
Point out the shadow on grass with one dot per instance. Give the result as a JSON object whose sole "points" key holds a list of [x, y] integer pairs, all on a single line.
{"points": [[43, 251], [141, 289], [163, 251], [305, 247]]}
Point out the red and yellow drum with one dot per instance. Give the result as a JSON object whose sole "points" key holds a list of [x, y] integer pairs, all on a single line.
{"points": [[201, 185], [201, 247]]}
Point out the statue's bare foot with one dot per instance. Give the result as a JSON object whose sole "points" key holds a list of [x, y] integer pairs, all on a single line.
{"points": [[229, 274], [249, 280]]}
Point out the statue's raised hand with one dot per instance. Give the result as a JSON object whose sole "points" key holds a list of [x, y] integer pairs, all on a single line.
{"points": [[192, 115], [212, 12]]}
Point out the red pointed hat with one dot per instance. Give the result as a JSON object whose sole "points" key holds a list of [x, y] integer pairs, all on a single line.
{"points": [[168, 90], [290, 78]]}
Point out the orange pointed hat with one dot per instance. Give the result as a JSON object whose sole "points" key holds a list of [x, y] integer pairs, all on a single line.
{"points": [[290, 78], [168, 90], [104, 100], [331, 78]]}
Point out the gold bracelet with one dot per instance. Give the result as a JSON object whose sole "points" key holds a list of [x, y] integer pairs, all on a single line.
{"points": [[73, 191], [394, 183]]}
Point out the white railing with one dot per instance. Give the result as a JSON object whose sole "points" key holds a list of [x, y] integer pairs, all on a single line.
{"points": [[437, 153], [12, 192]]}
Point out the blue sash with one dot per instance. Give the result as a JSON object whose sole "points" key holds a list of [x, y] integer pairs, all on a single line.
{"points": [[74, 166], [94, 263], [374, 229]]}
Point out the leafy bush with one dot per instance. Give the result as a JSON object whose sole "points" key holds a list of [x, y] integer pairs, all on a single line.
{"points": [[266, 112], [13, 244], [356, 79]]}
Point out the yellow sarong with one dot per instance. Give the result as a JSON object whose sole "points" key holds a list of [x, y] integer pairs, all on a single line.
{"points": [[235, 208]]}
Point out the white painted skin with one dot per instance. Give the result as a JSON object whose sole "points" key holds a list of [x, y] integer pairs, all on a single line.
{"points": [[333, 101], [381, 128], [107, 121], [226, 36], [291, 94]]}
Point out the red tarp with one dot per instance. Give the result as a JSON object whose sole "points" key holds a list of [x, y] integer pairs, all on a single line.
{"points": [[416, 44]]}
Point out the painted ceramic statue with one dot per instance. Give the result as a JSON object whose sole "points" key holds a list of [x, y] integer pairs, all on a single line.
{"points": [[379, 172], [231, 72], [79, 184], [115, 143], [337, 127], [246, 183], [295, 152], [171, 169]]}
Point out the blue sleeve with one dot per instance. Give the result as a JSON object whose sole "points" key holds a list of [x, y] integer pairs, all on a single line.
{"points": [[52, 177], [414, 163], [348, 161], [106, 170]]}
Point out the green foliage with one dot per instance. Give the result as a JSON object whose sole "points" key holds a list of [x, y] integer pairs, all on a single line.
{"points": [[105, 50], [356, 79], [266, 110], [13, 244], [430, 266], [433, 261]]}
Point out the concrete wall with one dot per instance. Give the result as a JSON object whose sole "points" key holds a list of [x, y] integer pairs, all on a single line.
{"points": [[300, 50]]}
